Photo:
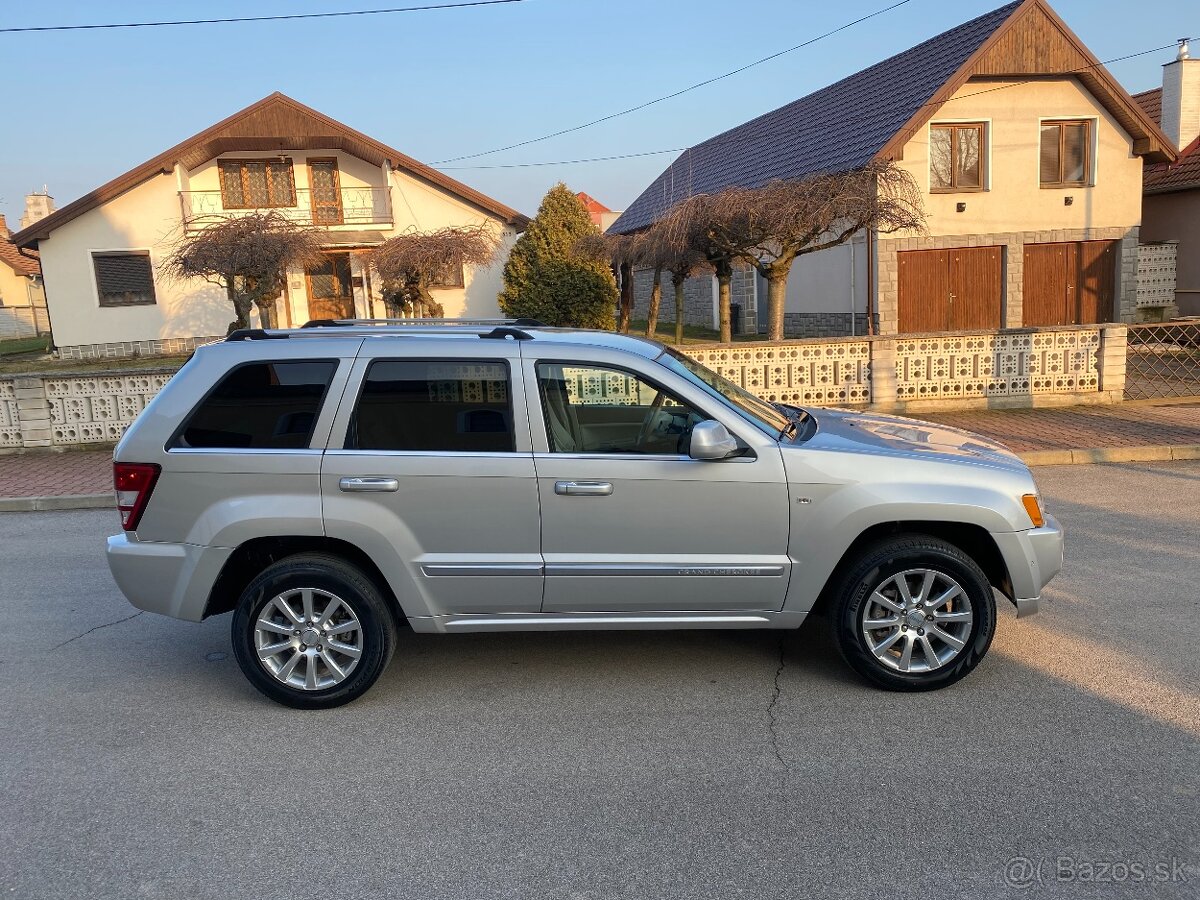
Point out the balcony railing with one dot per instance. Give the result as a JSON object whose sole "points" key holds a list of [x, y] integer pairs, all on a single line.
{"points": [[354, 206]]}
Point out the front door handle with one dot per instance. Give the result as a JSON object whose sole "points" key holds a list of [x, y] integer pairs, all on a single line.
{"points": [[369, 483], [583, 488]]}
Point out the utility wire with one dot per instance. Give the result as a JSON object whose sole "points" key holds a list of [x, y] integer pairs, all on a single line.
{"points": [[279, 18], [565, 162], [750, 138], [680, 92]]}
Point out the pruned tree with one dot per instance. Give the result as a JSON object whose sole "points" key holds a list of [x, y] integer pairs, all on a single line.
{"points": [[692, 225], [549, 276], [248, 256], [410, 264], [770, 226]]}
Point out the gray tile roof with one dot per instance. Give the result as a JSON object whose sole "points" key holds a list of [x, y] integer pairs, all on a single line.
{"points": [[835, 129]]}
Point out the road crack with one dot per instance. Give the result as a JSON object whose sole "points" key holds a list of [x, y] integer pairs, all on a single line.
{"points": [[97, 628], [772, 715]]}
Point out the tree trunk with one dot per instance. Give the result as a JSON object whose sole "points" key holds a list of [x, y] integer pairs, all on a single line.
{"points": [[678, 283], [242, 304], [777, 278], [626, 298], [724, 303], [655, 303]]}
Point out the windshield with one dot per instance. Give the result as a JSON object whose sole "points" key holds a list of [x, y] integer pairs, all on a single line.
{"points": [[758, 412]]}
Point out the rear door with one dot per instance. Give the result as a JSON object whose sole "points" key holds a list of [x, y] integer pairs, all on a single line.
{"points": [[430, 471]]}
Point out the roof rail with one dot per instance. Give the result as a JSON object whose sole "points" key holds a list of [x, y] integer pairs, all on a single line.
{"points": [[343, 323], [254, 334], [506, 331]]}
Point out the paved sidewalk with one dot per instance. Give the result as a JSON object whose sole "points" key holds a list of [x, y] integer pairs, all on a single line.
{"points": [[1042, 436], [1080, 427]]}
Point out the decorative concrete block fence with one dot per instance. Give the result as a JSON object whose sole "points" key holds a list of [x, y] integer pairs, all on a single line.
{"points": [[907, 373]]}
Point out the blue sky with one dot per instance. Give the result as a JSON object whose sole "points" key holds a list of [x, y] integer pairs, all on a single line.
{"points": [[438, 84]]}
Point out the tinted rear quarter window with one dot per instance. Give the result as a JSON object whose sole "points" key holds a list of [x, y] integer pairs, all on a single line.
{"points": [[261, 406], [434, 405]]}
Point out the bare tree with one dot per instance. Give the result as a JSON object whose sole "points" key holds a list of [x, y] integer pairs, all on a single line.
{"points": [[248, 256], [691, 225], [769, 227], [410, 264]]}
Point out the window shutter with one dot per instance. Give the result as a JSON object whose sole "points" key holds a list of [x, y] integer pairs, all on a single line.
{"points": [[124, 279], [1051, 173], [1075, 153]]}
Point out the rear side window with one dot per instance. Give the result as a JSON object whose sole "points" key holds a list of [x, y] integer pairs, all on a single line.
{"points": [[261, 406], [434, 405]]}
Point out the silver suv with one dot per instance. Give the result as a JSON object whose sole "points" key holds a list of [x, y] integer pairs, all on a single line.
{"points": [[331, 484]]}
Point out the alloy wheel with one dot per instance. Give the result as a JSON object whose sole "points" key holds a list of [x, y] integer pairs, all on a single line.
{"points": [[917, 621], [308, 638]]}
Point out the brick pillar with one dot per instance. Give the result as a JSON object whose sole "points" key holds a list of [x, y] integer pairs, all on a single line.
{"points": [[33, 411], [883, 374], [1110, 362]]}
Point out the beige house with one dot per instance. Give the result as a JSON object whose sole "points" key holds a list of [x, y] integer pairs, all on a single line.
{"points": [[22, 302], [1029, 157], [1171, 205], [101, 255]]}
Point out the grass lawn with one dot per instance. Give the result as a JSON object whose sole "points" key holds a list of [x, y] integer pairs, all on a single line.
{"points": [[692, 334], [36, 366], [25, 345]]}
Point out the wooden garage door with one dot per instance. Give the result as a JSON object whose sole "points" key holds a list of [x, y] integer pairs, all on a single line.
{"points": [[950, 290], [1071, 283]]}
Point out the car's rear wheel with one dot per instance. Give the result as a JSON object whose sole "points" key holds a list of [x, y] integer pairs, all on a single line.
{"points": [[312, 632], [914, 613]]}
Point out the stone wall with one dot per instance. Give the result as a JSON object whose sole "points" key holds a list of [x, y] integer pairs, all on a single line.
{"points": [[126, 349], [1027, 367]]}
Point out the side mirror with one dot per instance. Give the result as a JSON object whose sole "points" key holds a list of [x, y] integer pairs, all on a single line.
{"points": [[711, 440]]}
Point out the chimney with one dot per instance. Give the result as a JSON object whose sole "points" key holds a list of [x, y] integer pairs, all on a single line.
{"points": [[5, 231], [1181, 98]]}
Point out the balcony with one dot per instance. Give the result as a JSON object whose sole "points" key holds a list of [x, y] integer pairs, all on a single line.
{"points": [[354, 206]]}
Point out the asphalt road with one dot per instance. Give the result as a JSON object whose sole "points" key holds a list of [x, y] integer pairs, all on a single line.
{"points": [[135, 761]]}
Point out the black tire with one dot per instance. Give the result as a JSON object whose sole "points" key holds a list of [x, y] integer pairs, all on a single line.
{"points": [[885, 560], [377, 632]]}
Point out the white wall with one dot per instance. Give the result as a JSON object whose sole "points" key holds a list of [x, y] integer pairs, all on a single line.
{"points": [[149, 217], [821, 282]]}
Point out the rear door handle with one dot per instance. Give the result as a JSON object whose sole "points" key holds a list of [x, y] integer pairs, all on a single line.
{"points": [[583, 488], [369, 483]]}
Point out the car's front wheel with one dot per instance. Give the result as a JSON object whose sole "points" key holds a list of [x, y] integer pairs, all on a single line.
{"points": [[312, 632], [914, 613]]}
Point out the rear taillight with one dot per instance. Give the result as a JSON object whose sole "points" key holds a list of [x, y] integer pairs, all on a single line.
{"points": [[134, 482]]}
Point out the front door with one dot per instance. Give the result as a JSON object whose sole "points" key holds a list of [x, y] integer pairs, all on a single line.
{"points": [[434, 480], [330, 288], [630, 523]]}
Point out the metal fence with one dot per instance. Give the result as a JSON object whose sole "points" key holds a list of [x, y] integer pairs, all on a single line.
{"points": [[1163, 360]]}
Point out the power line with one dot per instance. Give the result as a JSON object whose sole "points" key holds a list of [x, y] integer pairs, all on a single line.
{"points": [[744, 138], [680, 92], [279, 18], [565, 162]]}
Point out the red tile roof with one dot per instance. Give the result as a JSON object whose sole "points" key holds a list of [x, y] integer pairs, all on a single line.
{"points": [[1181, 175], [18, 262], [591, 203]]}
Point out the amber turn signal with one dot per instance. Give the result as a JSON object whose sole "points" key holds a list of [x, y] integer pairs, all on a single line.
{"points": [[1034, 508]]}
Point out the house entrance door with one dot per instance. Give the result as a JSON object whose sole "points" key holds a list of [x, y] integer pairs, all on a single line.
{"points": [[330, 290]]}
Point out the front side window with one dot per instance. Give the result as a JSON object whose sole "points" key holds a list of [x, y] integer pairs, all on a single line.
{"points": [[956, 157], [257, 183], [124, 278], [450, 406], [597, 409], [1066, 152], [261, 406], [751, 408]]}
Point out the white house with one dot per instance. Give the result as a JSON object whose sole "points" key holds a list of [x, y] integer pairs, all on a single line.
{"points": [[101, 255]]}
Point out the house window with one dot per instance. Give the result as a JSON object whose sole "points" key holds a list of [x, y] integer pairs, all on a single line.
{"points": [[450, 277], [257, 183], [956, 157], [1066, 157], [124, 278]]}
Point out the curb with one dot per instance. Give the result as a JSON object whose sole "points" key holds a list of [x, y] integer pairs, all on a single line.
{"points": [[60, 501], [1151, 453]]}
